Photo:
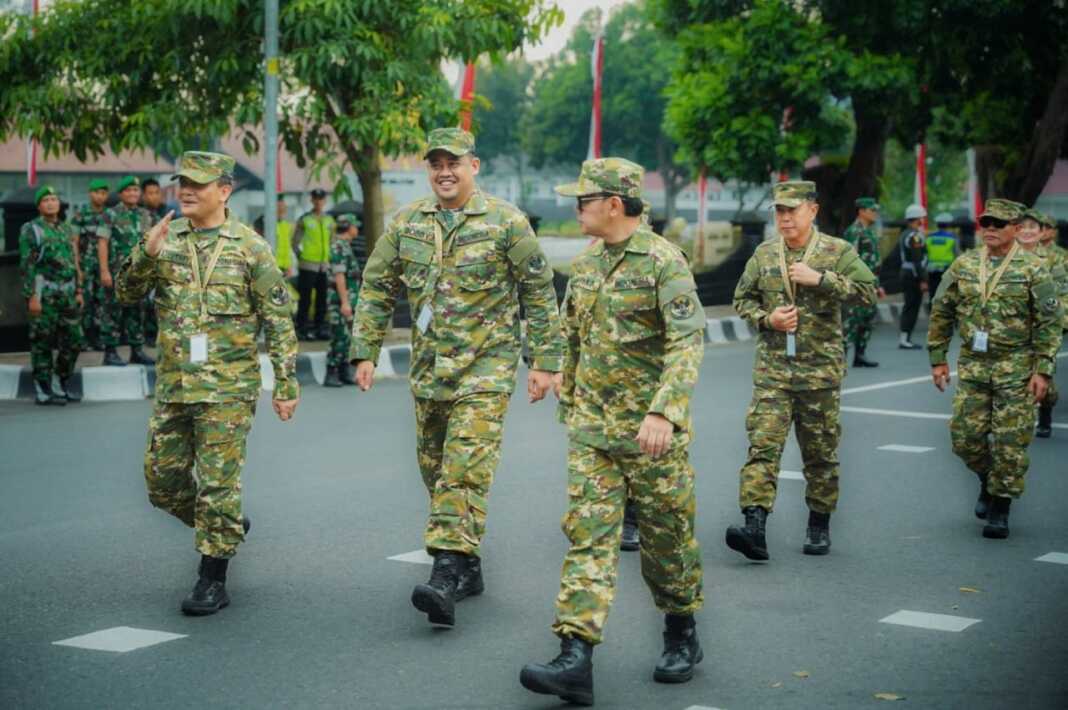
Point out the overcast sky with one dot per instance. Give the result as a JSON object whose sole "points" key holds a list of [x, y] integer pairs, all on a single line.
{"points": [[557, 38]]}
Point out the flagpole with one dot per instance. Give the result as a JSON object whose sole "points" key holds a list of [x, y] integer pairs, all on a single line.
{"points": [[31, 146], [597, 69]]}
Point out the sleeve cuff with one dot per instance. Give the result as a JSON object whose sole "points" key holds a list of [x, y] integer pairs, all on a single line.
{"points": [[362, 351], [938, 356], [547, 363], [1046, 367], [287, 389]]}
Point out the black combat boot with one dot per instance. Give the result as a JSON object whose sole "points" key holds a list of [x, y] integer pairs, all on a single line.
{"points": [[982, 505], [209, 595], [139, 357], [630, 540], [348, 374], [437, 598], [246, 523], [682, 650], [1045, 422], [68, 392], [569, 675], [112, 359], [470, 583], [332, 380], [997, 519], [818, 534], [860, 361], [749, 540]]}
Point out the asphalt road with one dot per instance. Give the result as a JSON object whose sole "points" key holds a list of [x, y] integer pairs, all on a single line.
{"points": [[321, 617]]}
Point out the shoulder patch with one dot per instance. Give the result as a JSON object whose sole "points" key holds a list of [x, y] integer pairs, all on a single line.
{"points": [[279, 295], [536, 265], [682, 307]]}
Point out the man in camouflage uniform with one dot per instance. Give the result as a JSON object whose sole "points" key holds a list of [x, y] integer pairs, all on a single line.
{"points": [[635, 340], [341, 300], [128, 223], [1004, 303], [468, 262], [1057, 258], [791, 293], [861, 236], [216, 286], [90, 221], [52, 288]]}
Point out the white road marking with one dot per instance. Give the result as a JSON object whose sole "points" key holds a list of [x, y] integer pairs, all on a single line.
{"points": [[915, 415], [791, 475], [902, 448], [924, 620], [119, 639], [418, 557], [909, 381], [702, 707], [1059, 558]]}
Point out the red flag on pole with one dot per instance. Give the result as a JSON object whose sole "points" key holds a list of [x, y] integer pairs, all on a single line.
{"points": [[466, 93], [975, 197], [920, 186], [597, 66], [702, 217], [278, 168]]}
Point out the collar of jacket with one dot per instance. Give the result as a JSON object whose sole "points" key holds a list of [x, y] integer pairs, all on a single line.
{"points": [[640, 242], [476, 204], [228, 228]]}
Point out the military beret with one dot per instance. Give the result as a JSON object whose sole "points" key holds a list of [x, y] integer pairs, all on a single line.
{"points": [[866, 203], [98, 184], [344, 221], [792, 193], [613, 175], [42, 192], [456, 141], [203, 167], [128, 181], [1003, 209]]}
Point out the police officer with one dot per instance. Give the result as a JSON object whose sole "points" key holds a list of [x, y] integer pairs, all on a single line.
{"points": [[283, 248], [913, 252], [311, 242], [468, 262], [1003, 302], [634, 328], [91, 223], [791, 293], [52, 288], [861, 236], [943, 248], [216, 287], [344, 288]]}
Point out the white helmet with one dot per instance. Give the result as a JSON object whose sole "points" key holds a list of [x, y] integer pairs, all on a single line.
{"points": [[915, 212], [944, 218]]}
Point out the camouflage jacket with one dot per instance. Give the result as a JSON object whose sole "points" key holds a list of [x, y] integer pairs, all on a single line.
{"points": [[635, 340], [47, 257], [245, 290], [127, 227], [343, 261], [866, 241], [90, 226], [492, 264], [819, 362], [1022, 319]]}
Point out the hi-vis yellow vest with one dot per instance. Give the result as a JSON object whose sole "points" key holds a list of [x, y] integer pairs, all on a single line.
{"points": [[315, 240], [283, 251]]}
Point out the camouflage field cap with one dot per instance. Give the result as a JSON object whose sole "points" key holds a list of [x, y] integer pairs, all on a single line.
{"points": [[344, 221], [1034, 215], [1004, 209], [1048, 221], [614, 175], [202, 167], [128, 181], [866, 203], [42, 192], [793, 193], [98, 184], [456, 141]]}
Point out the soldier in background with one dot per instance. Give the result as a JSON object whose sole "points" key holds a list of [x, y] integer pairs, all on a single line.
{"points": [[216, 287], [1003, 302], [791, 293], [91, 223], [634, 327], [468, 262], [152, 199], [344, 289], [859, 320], [52, 288]]}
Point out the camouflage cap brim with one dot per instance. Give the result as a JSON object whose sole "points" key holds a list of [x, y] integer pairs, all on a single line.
{"points": [[790, 202], [198, 176], [578, 189]]}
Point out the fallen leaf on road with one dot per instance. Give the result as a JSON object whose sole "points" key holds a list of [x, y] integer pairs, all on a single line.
{"points": [[889, 696], [969, 590], [801, 674]]}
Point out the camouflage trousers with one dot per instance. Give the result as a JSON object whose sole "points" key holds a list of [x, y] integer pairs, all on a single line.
{"points": [[858, 322], [340, 329], [90, 293], [459, 447], [193, 468], [814, 415], [598, 485], [1052, 395], [117, 319], [991, 428], [57, 330]]}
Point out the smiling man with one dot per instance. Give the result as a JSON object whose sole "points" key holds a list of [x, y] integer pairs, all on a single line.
{"points": [[468, 262], [217, 287], [1004, 303]]}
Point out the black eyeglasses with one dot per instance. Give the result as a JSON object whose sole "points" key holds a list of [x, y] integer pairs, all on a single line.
{"points": [[992, 222], [585, 199]]}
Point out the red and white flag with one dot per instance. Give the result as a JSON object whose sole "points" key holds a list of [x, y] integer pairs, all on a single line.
{"points": [[465, 93], [975, 197], [597, 66], [919, 191]]}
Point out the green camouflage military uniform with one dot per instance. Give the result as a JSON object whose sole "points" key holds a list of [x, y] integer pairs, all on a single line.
{"points": [[993, 413], [342, 261], [858, 318], [464, 363], [90, 226], [47, 263], [204, 406], [635, 340], [803, 390], [127, 227], [1054, 258]]}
